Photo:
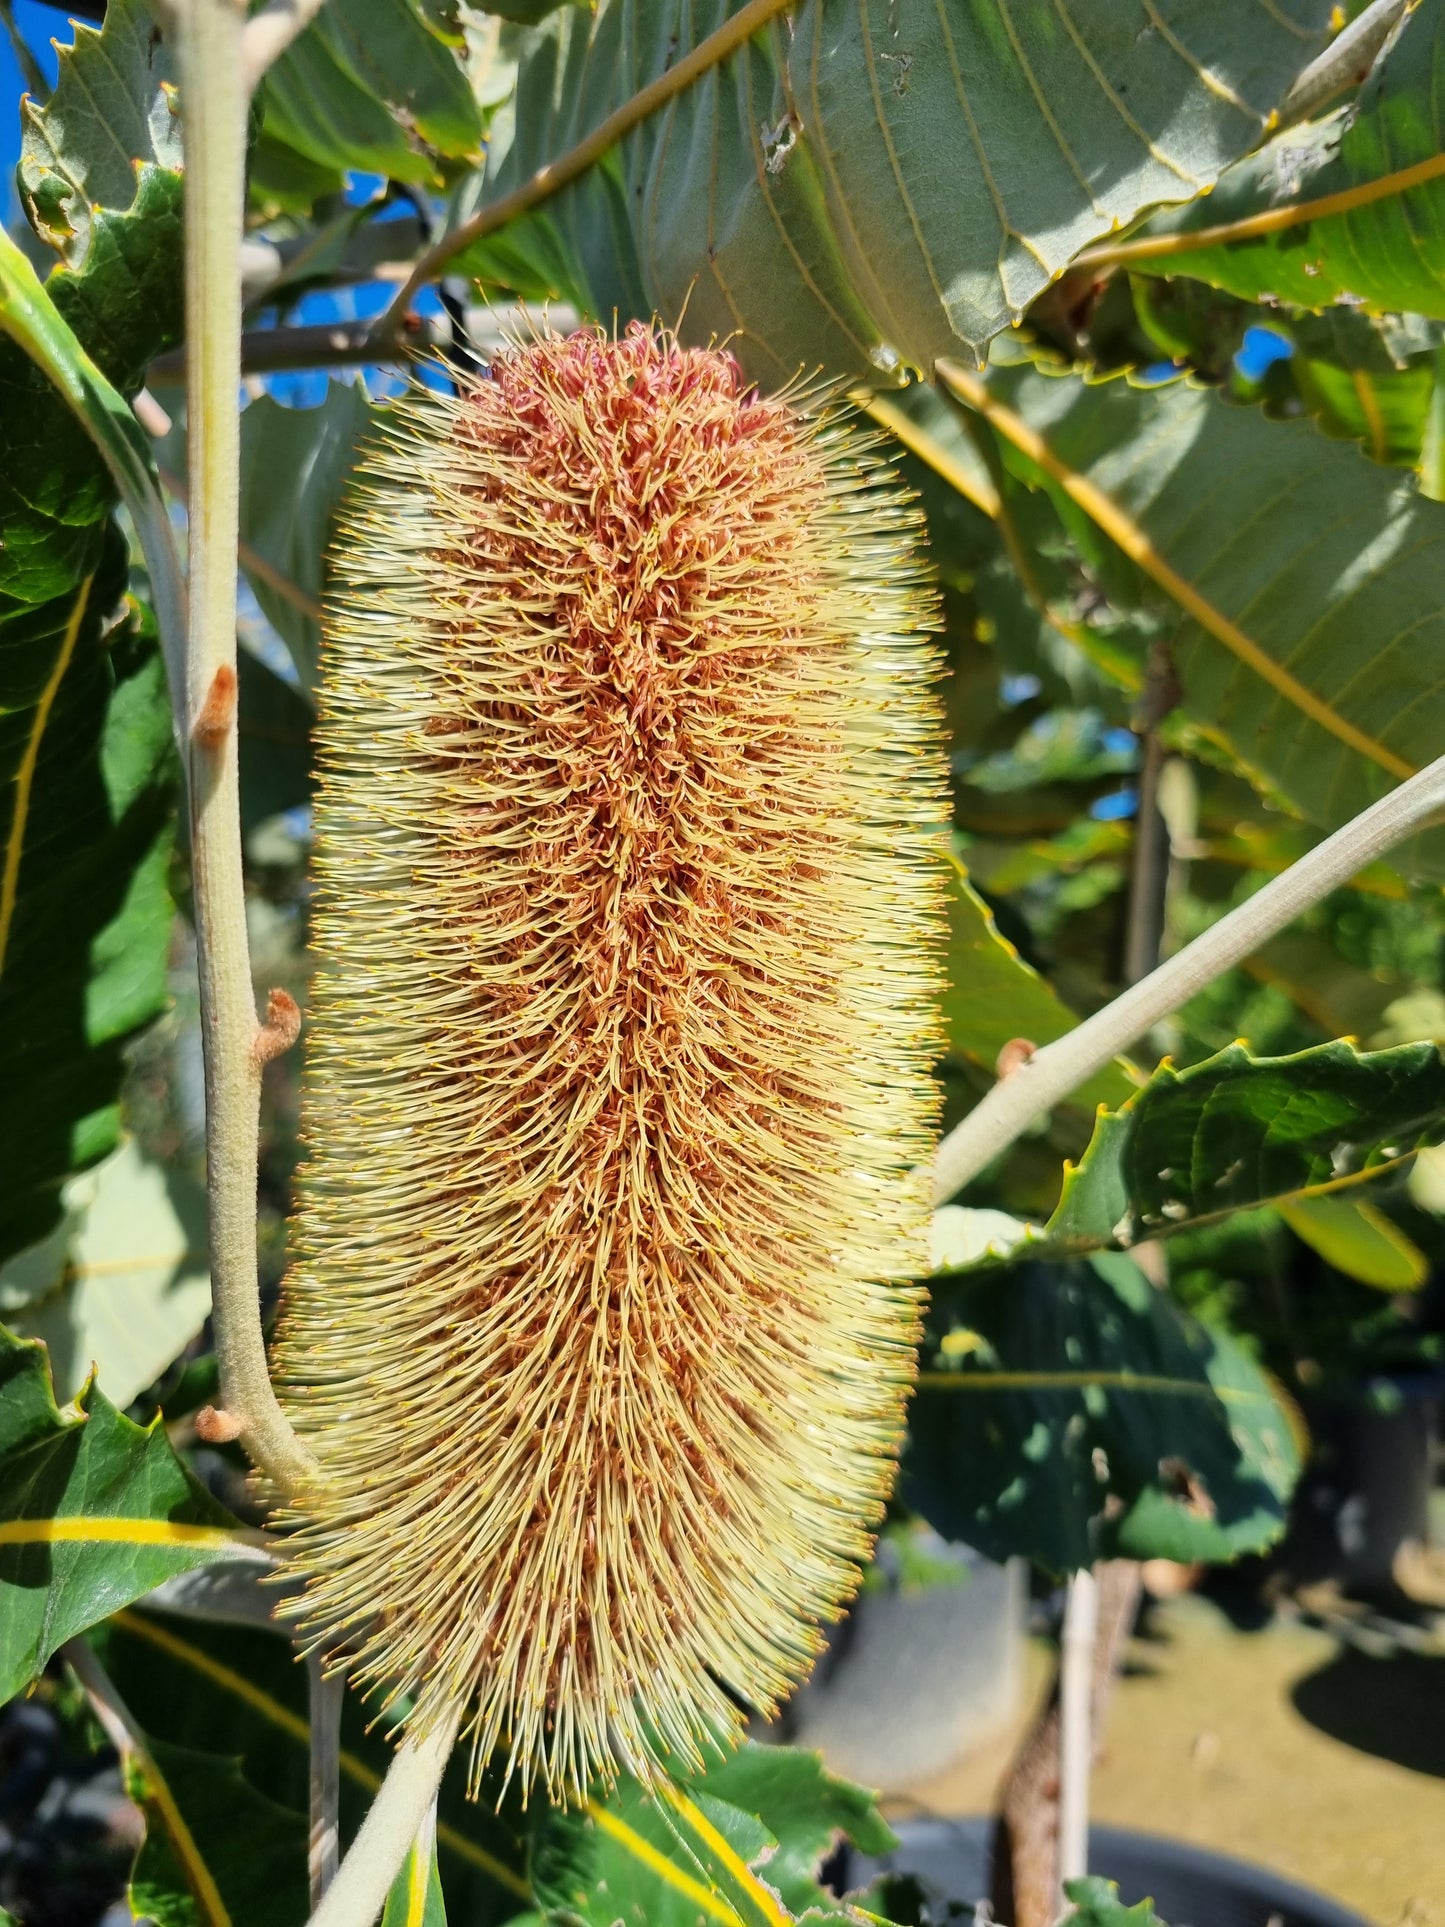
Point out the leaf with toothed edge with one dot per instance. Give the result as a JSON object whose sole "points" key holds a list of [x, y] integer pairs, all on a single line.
{"points": [[865, 186], [87, 772], [110, 115], [806, 1808], [94, 1512], [1097, 1904], [1381, 157], [1073, 1412], [739, 1844], [1237, 1131]]}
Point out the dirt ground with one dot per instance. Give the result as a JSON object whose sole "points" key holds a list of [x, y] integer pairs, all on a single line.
{"points": [[1319, 1751]]}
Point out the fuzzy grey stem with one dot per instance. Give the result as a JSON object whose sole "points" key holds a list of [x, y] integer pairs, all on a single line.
{"points": [[1059, 1068], [1344, 63], [1076, 1724], [358, 1893], [214, 101], [324, 1852], [109, 1708]]}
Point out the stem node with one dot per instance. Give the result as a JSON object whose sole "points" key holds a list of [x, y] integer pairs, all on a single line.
{"points": [[217, 1428], [1014, 1055], [280, 1030], [217, 716]]}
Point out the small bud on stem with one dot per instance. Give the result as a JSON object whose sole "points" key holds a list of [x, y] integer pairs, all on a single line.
{"points": [[217, 716], [1014, 1055], [216, 1428], [280, 1030]]}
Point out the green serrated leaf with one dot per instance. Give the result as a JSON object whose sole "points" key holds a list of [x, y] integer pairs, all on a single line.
{"points": [[1310, 644], [1097, 1904], [804, 1808], [1069, 1413], [94, 1512], [238, 1689], [1237, 1131], [993, 996], [1377, 165], [652, 1861], [739, 1844], [124, 303], [860, 188], [217, 1852], [112, 109]]}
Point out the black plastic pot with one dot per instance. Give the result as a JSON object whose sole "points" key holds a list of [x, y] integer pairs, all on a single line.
{"points": [[1189, 1886]]}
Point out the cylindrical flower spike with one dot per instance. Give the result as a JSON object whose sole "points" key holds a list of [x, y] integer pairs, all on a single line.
{"points": [[628, 921]]}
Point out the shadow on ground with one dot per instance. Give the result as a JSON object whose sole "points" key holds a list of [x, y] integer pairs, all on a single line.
{"points": [[1392, 1705]]}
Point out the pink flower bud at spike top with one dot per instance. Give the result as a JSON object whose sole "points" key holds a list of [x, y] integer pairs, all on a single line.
{"points": [[628, 912]]}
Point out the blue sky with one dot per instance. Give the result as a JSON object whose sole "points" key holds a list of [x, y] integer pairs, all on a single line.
{"points": [[39, 25]]}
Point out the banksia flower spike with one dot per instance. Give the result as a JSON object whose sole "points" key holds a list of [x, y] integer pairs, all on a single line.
{"points": [[627, 912]]}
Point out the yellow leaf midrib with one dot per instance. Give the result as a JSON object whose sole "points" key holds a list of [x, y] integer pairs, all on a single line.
{"points": [[1125, 531], [1274, 220], [275, 1714], [29, 761]]}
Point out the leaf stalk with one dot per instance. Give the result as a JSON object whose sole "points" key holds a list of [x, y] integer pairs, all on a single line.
{"points": [[1345, 62], [394, 1820], [1059, 1068], [326, 1693]]}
